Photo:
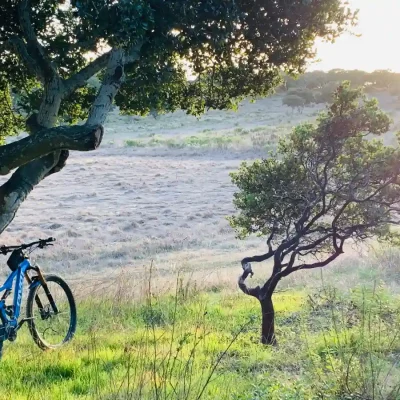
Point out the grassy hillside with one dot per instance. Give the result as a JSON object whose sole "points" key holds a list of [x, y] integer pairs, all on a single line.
{"points": [[159, 189], [192, 344]]}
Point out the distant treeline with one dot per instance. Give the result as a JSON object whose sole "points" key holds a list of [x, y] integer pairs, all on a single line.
{"points": [[380, 80], [319, 86]]}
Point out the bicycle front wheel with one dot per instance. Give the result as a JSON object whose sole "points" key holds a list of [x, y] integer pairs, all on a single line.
{"points": [[51, 313]]}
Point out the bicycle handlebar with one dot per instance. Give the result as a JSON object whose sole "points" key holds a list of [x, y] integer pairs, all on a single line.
{"points": [[41, 243]]}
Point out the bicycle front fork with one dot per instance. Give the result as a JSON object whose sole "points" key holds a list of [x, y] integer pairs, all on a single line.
{"points": [[42, 281]]}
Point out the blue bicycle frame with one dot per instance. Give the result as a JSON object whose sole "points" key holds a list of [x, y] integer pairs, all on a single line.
{"points": [[17, 276]]}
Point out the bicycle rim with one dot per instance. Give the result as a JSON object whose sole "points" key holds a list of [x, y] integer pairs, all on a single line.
{"points": [[50, 328]]}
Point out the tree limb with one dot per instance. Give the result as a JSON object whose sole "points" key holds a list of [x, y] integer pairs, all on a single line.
{"points": [[81, 138], [112, 81], [259, 258], [255, 292], [262, 257], [318, 264], [133, 54], [61, 163], [34, 48], [21, 183], [376, 192], [310, 246], [17, 45], [80, 78]]}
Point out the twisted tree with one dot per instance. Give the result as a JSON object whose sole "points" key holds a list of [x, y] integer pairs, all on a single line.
{"points": [[328, 184], [141, 50]]}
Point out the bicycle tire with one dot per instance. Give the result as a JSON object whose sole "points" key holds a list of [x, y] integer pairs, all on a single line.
{"points": [[31, 304], [1, 349]]}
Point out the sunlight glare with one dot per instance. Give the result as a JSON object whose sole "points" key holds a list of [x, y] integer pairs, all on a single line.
{"points": [[377, 48]]}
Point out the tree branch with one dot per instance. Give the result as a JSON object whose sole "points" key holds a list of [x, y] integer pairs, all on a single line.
{"points": [[377, 191], [61, 163], [133, 54], [21, 183], [255, 292], [80, 78], [81, 138], [259, 258], [111, 83], [34, 48], [262, 257], [307, 247], [318, 264], [17, 44]]}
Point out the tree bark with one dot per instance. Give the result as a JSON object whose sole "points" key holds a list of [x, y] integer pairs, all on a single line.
{"points": [[264, 296], [111, 83], [48, 112], [45, 151], [77, 137], [17, 188], [268, 321]]}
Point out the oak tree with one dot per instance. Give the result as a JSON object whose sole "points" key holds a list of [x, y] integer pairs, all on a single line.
{"points": [[141, 50], [329, 184]]}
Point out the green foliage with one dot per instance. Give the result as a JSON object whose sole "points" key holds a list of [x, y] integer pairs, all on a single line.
{"points": [[305, 94], [200, 141], [73, 108], [293, 101], [10, 121], [134, 143], [324, 83], [233, 49], [326, 182]]}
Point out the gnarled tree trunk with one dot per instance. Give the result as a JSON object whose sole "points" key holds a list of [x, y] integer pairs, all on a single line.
{"points": [[268, 320], [46, 150], [264, 296]]}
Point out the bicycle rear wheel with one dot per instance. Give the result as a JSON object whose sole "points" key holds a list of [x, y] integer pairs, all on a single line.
{"points": [[51, 315]]}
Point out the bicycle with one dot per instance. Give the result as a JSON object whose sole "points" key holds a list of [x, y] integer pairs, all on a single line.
{"points": [[44, 312]]}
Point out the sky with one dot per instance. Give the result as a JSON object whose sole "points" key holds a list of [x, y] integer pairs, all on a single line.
{"points": [[377, 48]]}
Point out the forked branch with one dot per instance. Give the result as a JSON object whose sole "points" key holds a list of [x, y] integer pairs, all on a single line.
{"points": [[317, 264], [247, 270], [80, 78]]}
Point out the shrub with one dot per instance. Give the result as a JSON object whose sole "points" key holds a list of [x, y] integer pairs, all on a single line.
{"points": [[325, 94], [305, 94], [134, 143], [293, 101]]}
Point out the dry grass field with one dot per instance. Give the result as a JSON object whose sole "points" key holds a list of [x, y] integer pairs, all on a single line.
{"points": [[143, 241], [158, 189]]}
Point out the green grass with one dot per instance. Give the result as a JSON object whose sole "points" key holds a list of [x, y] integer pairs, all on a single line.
{"points": [[265, 137], [134, 143], [207, 140], [194, 345]]}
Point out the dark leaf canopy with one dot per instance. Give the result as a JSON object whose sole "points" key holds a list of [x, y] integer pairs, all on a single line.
{"points": [[232, 48], [327, 183]]}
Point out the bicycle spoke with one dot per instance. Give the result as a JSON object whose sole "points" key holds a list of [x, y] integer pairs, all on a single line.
{"points": [[50, 326]]}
